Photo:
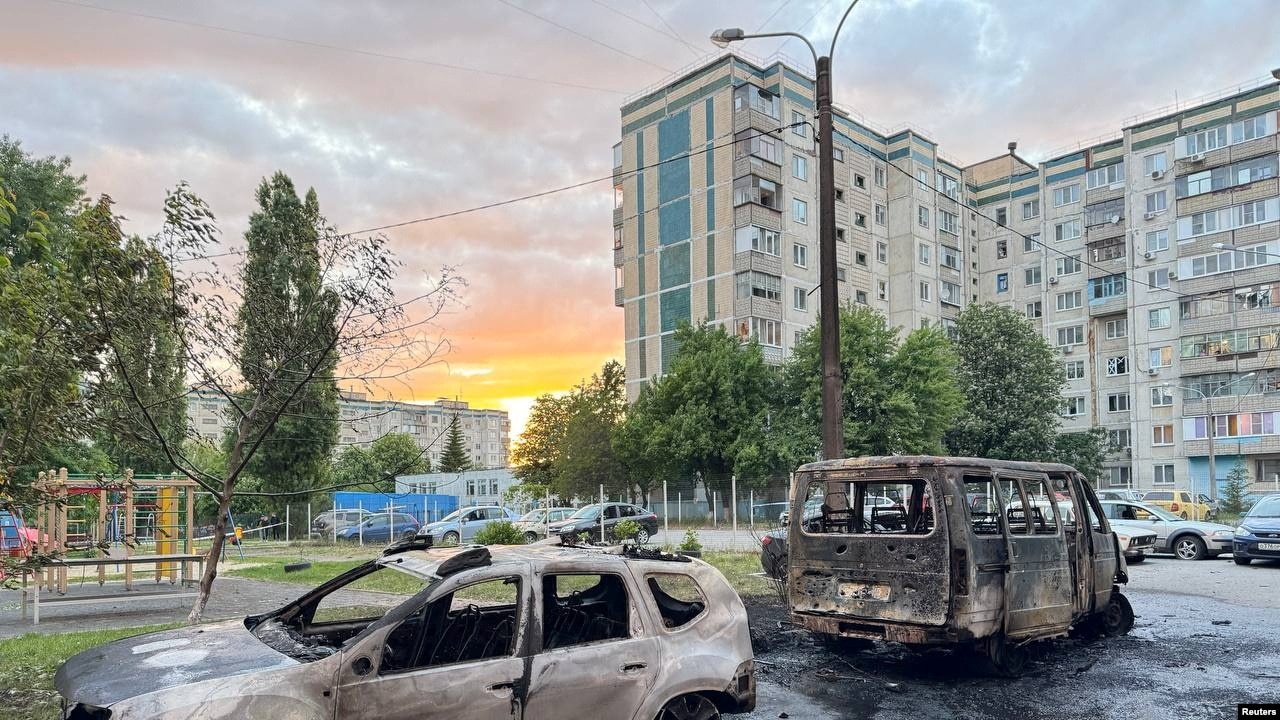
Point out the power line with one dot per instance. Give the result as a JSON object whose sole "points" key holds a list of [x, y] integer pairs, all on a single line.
{"points": [[584, 36], [773, 15], [338, 48], [667, 25], [645, 25]]}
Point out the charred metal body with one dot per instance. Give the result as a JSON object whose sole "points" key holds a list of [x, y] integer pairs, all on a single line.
{"points": [[945, 550]]}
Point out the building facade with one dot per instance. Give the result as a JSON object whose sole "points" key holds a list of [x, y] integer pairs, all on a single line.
{"points": [[1109, 249], [473, 487], [361, 420]]}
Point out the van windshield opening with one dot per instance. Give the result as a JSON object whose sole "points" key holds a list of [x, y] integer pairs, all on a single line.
{"points": [[869, 507]]}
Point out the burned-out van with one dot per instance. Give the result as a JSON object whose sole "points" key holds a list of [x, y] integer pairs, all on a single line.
{"points": [[988, 553]]}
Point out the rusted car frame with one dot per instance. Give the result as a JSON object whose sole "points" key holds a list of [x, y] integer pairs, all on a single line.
{"points": [[981, 552]]}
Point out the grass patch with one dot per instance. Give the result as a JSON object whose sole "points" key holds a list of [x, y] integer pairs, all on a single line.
{"points": [[740, 569], [385, 580], [28, 663]]}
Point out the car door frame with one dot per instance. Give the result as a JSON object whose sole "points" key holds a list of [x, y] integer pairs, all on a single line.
{"points": [[1042, 610]]}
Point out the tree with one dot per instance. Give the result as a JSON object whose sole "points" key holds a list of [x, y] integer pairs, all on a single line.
{"points": [[1012, 381], [1235, 489], [455, 458], [587, 459], [285, 296], [637, 445], [1085, 451], [900, 397], [534, 457], [342, 276], [389, 456]]}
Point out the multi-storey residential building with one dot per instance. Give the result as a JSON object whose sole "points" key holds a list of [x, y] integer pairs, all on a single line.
{"points": [[1108, 248], [487, 432]]}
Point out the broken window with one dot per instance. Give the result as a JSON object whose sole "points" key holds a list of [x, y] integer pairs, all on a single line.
{"points": [[474, 622], [984, 507], [679, 599], [1030, 508], [885, 507], [583, 608]]}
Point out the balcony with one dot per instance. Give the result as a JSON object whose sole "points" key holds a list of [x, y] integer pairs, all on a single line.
{"points": [[617, 297], [618, 257], [752, 165], [1109, 306], [752, 119], [756, 214], [755, 260], [617, 216], [757, 307], [1250, 445]]}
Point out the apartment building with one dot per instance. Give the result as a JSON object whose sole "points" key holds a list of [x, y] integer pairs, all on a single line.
{"points": [[362, 420], [1119, 250]]}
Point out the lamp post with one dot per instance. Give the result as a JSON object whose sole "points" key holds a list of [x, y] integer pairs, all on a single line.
{"points": [[1255, 251], [829, 298], [1213, 477]]}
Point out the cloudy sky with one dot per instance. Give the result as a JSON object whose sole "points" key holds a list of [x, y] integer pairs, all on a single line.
{"points": [[402, 110]]}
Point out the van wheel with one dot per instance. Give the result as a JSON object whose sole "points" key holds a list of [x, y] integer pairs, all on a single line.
{"points": [[1189, 547], [689, 707], [1008, 659], [1117, 617]]}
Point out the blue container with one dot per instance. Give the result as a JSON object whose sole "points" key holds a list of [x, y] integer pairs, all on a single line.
{"points": [[424, 508]]}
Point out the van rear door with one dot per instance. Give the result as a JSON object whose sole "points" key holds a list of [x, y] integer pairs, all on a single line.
{"points": [[1039, 587]]}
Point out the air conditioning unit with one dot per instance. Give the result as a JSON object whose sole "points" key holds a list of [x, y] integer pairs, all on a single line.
{"points": [[1198, 157], [1053, 280], [1173, 275], [1153, 371], [1149, 255], [1157, 174], [1149, 215], [1068, 349], [1128, 451]]}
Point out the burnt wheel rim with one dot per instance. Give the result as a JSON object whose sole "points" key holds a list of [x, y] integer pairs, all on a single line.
{"points": [[689, 707], [1118, 618]]}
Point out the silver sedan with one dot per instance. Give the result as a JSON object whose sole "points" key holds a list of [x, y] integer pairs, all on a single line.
{"points": [[1186, 539]]}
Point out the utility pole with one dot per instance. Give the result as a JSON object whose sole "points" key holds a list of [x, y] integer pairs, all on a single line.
{"points": [[829, 292]]}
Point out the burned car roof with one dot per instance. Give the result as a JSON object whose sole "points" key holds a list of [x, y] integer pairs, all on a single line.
{"points": [[906, 461], [438, 562]]}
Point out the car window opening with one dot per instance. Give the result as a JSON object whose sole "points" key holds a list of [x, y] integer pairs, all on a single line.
{"points": [[580, 609], [678, 599], [475, 622], [869, 507]]}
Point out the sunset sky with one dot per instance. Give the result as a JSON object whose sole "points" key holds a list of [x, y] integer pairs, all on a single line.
{"points": [[380, 107]]}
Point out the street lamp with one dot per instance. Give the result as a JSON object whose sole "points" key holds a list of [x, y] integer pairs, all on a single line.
{"points": [[1230, 246], [829, 298], [1213, 478]]}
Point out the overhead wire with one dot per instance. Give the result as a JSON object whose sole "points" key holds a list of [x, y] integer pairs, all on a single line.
{"points": [[584, 36], [674, 32], [646, 25]]}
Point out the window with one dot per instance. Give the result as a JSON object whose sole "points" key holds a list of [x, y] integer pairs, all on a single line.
{"points": [[882, 252], [1031, 209], [1002, 217], [1158, 278], [922, 179], [1158, 318], [800, 211], [839, 234], [766, 332], [860, 181], [1074, 369], [799, 124], [1119, 476], [1118, 402], [1117, 439], [1250, 213], [1161, 396], [1254, 127], [1035, 310], [922, 216], [1032, 275], [799, 167], [926, 290], [1228, 260], [1230, 342], [1002, 282], [1066, 195], [948, 222], [758, 147], [1069, 230], [950, 293], [880, 214], [1160, 356], [840, 274], [984, 509], [860, 297], [800, 298], [860, 219], [1105, 288], [1207, 140], [1163, 475], [755, 189], [924, 254], [449, 619], [1118, 365], [758, 239], [1156, 202], [950, 257], [1103, 176], [1111, 211], [757, 284], [1161, 434], [1069, 300], [838, 154], [879, 175], [1117, 328], [1226, 176], [800, 255], [1073, 335], [860, 258], [1030, 243], [1002, 249], [1197, 183], [882, 289], [1068, 265], [1073, 406], [747, 96], [678, 599], [1109, 249], [583, 608], [1157, 240], [1154, 163], [948, 186]]}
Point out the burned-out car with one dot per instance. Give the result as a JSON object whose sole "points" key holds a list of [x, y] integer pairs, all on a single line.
{"points": [[987, 553], [535, 631]]}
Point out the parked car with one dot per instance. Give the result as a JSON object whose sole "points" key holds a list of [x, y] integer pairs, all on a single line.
{"points": [[381, 528], [773, 554], [1186, 539], [1134, 543], [585, 522], [1215, 506], [1182, 503], [1126, 495], [512, 631], [534, 523], [330, 520], [462, 525], [1258, 537]]}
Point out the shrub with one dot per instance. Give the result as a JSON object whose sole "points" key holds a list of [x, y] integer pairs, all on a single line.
{"points": [[690, 542], [626, 530], [499, 532]]}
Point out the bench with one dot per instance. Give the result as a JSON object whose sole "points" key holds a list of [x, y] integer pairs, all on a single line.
{"points": [[31, 595]]}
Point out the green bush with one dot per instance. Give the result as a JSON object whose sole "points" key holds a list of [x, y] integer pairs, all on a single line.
{"points": [[691, 543], [626, 530], [499, 532]]}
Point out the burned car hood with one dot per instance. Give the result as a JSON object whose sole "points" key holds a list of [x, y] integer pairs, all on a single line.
{"points": [[143, 664]]}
